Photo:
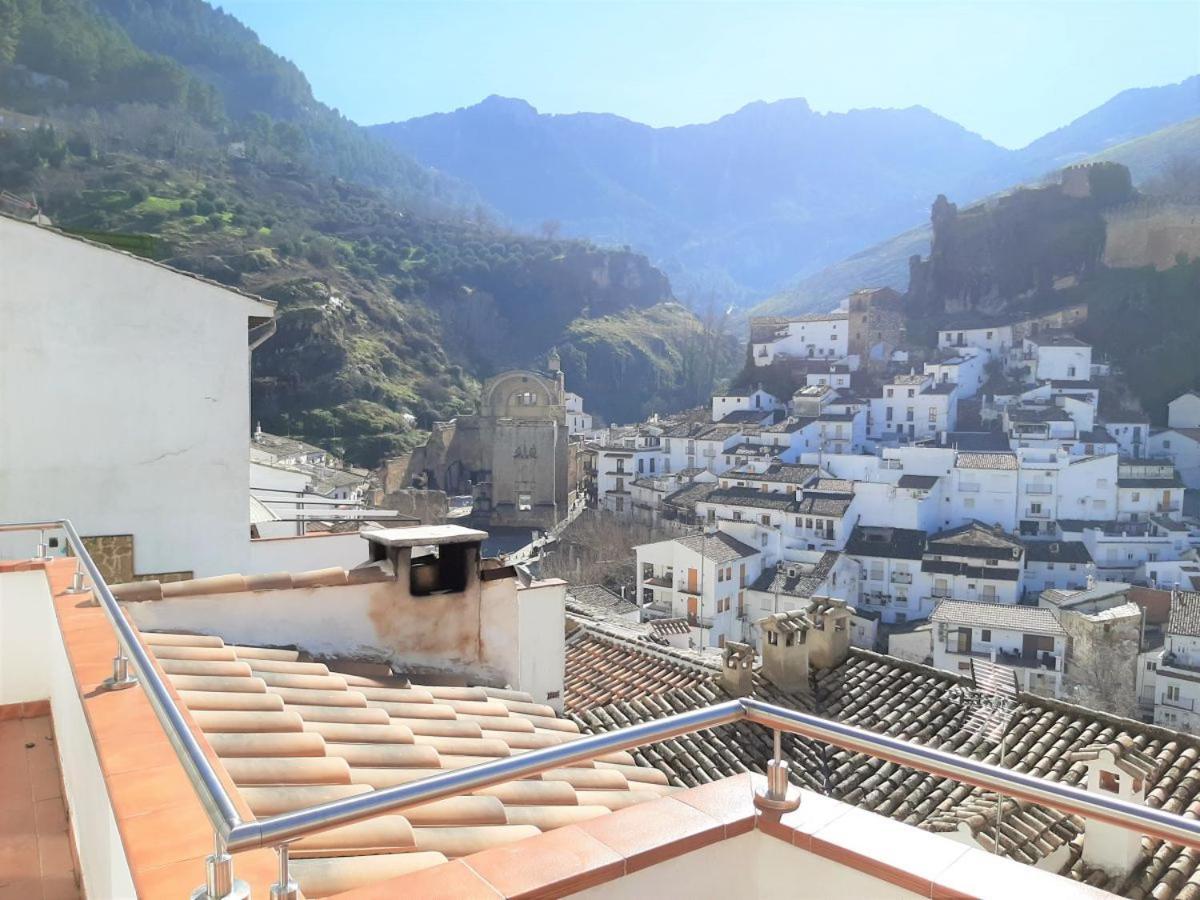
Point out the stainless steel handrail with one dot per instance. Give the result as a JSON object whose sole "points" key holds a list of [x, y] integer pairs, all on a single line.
{"points": [[234, 834]]}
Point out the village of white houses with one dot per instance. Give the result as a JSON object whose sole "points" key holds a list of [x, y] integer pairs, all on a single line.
{"points": [[498, 503]]}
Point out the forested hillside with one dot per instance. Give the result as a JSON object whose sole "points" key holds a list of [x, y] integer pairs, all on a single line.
{"points": [[397, 292]]}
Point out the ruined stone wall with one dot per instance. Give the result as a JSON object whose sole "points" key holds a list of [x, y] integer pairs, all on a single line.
{"points": [[428, 506], [529, 461], [1151, 234]]}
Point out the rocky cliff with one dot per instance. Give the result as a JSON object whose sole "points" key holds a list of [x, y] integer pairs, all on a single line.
{"points": [[997, 255]]}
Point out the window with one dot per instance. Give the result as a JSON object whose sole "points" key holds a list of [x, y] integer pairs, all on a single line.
{"points": [[989, 592], [933, 414], [1137, 495], [525, 501], [889, 413], [620, 465], [620, 504], [911, 392], [1173, 692], [908, 414], [986, 635], [641, 465], [765, 519], [720, 575], [890, 392]]}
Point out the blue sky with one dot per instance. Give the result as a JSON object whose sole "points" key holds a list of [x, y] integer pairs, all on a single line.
{"points": [[1010, 71]]}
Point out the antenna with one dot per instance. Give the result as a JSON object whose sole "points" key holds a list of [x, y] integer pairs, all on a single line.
{"points": [[993, 703]]}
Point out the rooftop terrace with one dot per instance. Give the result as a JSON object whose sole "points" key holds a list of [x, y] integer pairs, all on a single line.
{"points": [[380, 771]]}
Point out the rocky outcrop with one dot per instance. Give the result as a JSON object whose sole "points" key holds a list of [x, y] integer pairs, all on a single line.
{"points": [[999, 253]]}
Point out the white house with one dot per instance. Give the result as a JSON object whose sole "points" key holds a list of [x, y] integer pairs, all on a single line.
{"points": [[912, 407], [1148, 488], [1132, 436], [983, 487], [1182, 447], [892, 582], [617, 464], [1177, 679], [125, 387], [1058, 565], [1056, 355], [753, 399], [1184, 411], [994, 340], [1027, 639], [1118, 549], [967, 369], [974, 562], [816, 336], [701, 578], [578, 421]]}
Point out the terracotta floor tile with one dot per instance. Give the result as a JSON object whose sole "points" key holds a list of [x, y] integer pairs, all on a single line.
{"points": [[19, 857], [815, 812], [146, 790], [45, 784], [134, 755], [651, 832], [50, 816], [61, 888], [176, 880], [553, 864], [54, 855], [16, 819], [165, 836], [449, 881], [27, 889], [730, 801]]}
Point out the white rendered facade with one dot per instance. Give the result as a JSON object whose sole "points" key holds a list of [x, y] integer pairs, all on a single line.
{"points": [[166, 455]]}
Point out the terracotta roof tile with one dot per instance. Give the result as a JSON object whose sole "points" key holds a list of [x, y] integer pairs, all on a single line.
{"points": [[291, 733]]}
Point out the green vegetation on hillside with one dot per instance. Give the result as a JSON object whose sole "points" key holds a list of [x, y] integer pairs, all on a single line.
{"points": [[1148, 324], [393, 306]]}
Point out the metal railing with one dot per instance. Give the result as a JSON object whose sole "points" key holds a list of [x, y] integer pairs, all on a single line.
{"points": [[232, 834]]}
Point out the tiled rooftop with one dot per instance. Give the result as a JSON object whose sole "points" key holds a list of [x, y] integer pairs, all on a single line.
{"points": [[911, 701], [1026, 619], [292, 733]]}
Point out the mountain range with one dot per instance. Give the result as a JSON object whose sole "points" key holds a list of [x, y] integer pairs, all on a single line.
{"points": [[743, 206]]}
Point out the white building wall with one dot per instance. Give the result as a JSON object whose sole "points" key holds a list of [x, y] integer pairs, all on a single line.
{"points": [[126, 396], [1184, 411], [1183, 449]]}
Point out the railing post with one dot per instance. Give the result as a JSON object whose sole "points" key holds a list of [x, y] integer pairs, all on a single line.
{"points": [[121, 677], [219, 883], [284, 888], [43, 549], [77, 580], [781, 795]]}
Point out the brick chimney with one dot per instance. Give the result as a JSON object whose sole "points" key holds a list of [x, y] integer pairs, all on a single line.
{"points": [[785, 648], [737, 669], [829, 642], [1121, 770]]}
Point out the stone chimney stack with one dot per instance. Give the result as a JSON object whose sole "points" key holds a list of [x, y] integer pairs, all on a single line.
{"points": [[785, 649], [737, 669], [1120, 770], [829, 641]]}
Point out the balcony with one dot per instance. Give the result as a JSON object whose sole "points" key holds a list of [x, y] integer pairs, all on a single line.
{"points": [[659, 581], [1167, 507], [700, 621], [901, 578], [823, 841], [1013, 658], [1186, 704]]}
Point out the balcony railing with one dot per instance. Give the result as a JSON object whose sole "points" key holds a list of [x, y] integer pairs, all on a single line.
{"points": [[232, 834], [1185, 703], [700, 621], [901, 578], [658, 581]]}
